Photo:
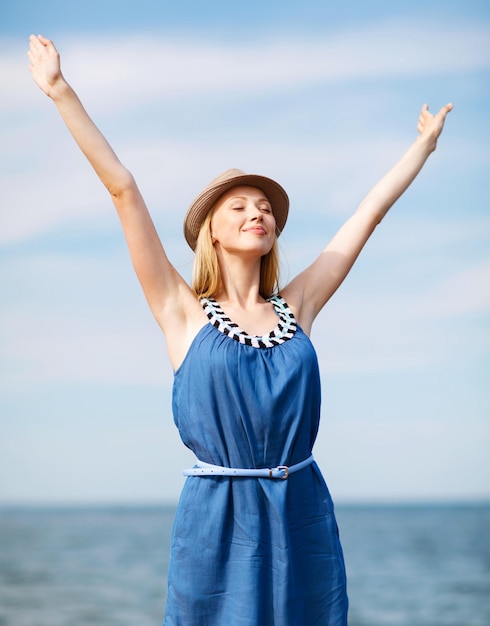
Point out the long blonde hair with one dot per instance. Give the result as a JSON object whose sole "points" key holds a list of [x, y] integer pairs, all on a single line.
{"points": [[206, 274]]}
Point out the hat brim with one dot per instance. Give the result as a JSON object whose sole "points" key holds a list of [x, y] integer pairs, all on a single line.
{"points": [[205, 201]]}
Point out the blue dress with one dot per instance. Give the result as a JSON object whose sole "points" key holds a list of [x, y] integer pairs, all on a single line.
{"points": [[253, 551]]}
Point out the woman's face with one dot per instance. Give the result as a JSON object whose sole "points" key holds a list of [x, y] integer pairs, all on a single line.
{"points": [[243, 221]]}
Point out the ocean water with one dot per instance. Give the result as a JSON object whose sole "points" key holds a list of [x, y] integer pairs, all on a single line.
{"points": [[407, 565]]}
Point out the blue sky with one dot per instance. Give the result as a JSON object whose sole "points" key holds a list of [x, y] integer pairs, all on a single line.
{"points": [[324, 97]]}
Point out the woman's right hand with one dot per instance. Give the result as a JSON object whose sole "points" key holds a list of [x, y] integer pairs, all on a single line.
{"points": [[44, 64]]}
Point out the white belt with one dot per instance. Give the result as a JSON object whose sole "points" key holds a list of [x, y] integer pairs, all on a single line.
{"points": [[281, 471]]}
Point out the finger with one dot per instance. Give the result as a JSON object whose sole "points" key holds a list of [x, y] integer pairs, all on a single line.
{"points": [[34, 42], [424, 109], [47, 43], [37, 47], [39, 42], [445, 109]]}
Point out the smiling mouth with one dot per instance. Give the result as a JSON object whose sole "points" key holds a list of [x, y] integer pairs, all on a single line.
{"points": [[256, 229]]}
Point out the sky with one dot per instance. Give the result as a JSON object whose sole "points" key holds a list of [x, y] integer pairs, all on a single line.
{"points": [[322, 96]]}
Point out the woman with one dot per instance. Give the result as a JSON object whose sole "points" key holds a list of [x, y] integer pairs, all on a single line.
{"points": [[255, 540]]}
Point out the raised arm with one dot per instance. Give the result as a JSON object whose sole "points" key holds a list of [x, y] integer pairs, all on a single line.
{"points": [[311, 289], [168, 296]]}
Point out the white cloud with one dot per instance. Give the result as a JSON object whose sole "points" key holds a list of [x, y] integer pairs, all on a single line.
{"points": [[420, 458], [42, 175], [416, 234], [376, 330], [90, 324], [148, 67], [465, 292], [73, 319], [85, 333], [46, 183], [103, 349], [59, 186]]}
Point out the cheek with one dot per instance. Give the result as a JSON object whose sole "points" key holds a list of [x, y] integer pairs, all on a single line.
{"points": [[221, 229], [215, 226], [272, 225]]}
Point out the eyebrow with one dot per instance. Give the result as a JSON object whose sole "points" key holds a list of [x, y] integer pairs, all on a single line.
{"points": [[261, 199]]}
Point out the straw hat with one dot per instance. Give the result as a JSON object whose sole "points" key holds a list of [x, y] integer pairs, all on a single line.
{"points": [[234, 178]]}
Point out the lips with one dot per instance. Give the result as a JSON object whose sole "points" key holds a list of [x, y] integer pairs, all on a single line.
{"points": [[258, 230]]}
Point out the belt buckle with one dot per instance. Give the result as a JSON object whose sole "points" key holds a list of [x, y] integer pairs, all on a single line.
{"points": [[286, 471]]}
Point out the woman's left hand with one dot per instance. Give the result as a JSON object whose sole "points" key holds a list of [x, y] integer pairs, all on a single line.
{"points": [[430, 126]]}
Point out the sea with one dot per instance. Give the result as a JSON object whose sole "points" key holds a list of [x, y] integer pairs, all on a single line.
{"points": [[407, 565]]}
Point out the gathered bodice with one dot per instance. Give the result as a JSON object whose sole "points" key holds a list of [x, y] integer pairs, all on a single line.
{"points": [[248, 401]]}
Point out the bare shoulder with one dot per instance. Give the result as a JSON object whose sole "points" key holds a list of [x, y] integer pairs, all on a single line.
{"points": [[293, 294], [182, 319]]}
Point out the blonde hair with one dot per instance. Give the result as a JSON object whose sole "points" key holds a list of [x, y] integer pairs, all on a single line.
{"points": [[206, 274]]}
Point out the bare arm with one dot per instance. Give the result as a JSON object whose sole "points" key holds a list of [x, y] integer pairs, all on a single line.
{"points": [[311, 289], [161, 284]]}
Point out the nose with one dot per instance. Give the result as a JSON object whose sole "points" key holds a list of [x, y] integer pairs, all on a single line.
{"points": [[256, 215]]}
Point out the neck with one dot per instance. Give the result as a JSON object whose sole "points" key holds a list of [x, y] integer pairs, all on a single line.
{"points": [[240, 280]]}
